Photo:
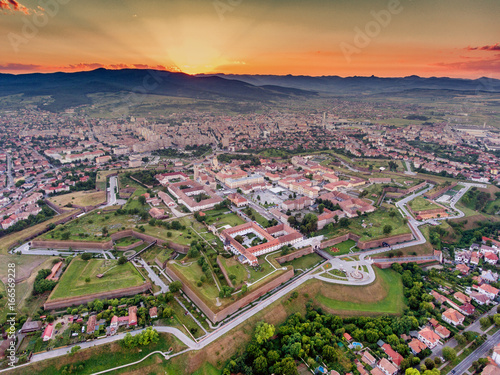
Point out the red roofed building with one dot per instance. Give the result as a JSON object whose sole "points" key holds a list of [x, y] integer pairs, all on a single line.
{"points": [[452, 316], [490, 258], [132, 315], [428, 337], [237, 199], [48, 332], [416, 346], [393, 355], [488, 291]]}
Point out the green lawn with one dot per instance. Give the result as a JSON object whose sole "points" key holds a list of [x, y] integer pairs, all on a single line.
{"points": [[420, 204], [190, 274], [220, 218], [257, 217], [344, 248], [126, 241], [391, 287], [304, 262], [233, 267], [73, 282]]}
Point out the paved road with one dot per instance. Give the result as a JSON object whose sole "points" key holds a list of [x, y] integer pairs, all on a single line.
{"points": [[476, 354], [25, 249], [154, 277], [10, 178]]}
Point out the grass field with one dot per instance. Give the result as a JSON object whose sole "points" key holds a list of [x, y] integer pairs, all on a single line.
{"points": [[18, 238], [73, 282], [384, 296], [233, 267], [90, 226], [126, 241], [374, 224], [420, 204], [80, 198], [343, 247], [304, 262], [221, 218]]}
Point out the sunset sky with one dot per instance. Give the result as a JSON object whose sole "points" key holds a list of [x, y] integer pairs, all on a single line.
{"points": [[457, 38]]}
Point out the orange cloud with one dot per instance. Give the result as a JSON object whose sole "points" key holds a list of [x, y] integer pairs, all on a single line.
{"points": [[14, 6], [495, 47]]}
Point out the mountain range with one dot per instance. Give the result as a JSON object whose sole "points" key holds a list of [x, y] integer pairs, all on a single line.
{"points": [[72, 89]]}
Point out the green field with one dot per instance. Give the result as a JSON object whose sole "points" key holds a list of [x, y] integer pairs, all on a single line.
{"points": [[374, 226], [190, 273], [73, 282], [221, 218], [420, 204], [386, 296], [233, 267], [304, 262]]}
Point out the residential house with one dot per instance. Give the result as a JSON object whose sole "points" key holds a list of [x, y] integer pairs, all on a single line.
{"points": [[394, 356], [368, 358], [428, 337], [481, 299], [464, 270], [490, 258], [462, 256], [416, 346], [153, 312], [48, 332], [452, 316], [443, 332], [488, 291], [387, 367], [496, 354], [459, 296], [132, 315], [91, 324]]}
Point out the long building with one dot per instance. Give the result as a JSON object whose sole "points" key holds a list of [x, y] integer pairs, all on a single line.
{"points": [[193, 195], [274, 238]]}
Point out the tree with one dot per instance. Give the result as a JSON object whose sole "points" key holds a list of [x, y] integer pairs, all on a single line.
{"points": [[263, 332], [175, 286], [496, 319], [86, 256], [142, 200], [122, 260], [321, 208], [260, 364], [129, 341], [461, 339], [168, 312], [387, 229], [449, 353], [329, 353], [74, 349]]}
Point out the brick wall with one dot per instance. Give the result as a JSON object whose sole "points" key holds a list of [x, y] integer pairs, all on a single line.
{"points": [[76, 245], [295, 255], [75, 301], [363, 245], [231, 309], [336, 240], [224, 272]]}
